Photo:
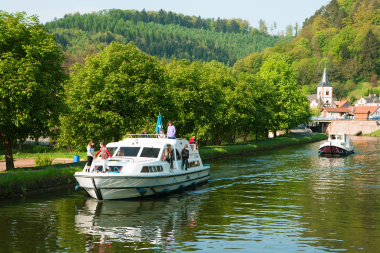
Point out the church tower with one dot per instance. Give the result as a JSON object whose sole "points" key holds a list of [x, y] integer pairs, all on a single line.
{"points": [[325, 90]]}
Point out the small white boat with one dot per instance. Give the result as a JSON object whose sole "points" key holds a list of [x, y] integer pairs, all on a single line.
{"points": [[143, 167], [337, 144]]}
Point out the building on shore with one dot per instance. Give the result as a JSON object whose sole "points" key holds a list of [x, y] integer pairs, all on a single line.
{"points": [[324, 97], [371, 100], [352, 112]]}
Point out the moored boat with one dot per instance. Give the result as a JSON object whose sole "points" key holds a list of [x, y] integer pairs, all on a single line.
{"points": [[337, 144], [143, 167]]}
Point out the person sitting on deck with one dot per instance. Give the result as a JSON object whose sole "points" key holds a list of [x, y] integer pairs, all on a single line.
{"points": [[144, 135], [161, 135], [194, 141]]}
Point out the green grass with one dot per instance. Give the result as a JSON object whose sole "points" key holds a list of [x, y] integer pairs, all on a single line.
{"points": [[21, 177], [33, 151], [208, 153], [375, 134]]}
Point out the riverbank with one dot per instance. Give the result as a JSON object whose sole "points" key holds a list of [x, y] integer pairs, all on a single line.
{"points": [[22, 182], [19, 182], [210, 153], [374, 134]]}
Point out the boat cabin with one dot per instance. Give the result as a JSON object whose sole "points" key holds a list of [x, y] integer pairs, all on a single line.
{"points": [[159, 155], [337, 137]]}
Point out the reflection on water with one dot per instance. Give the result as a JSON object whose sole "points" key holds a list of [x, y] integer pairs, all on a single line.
{"points": [[153, 221], [285, 200]]}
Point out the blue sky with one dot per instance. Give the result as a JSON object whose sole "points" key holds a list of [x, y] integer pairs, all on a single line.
{"points": [[283, 12]]}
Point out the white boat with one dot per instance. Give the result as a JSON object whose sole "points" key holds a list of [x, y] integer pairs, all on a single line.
{"points": [[143, 167], [337, 144]]}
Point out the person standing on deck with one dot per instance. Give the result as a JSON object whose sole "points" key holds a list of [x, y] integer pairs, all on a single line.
{"points": [[185, 157], [90, 154], [104, 155], [171, 131]]}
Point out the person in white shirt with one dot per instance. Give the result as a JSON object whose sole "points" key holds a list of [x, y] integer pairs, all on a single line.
{"points": [[90, 154], [161, 135]]}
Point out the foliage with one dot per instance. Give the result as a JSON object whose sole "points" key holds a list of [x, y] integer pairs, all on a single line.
{"points": [[343, 35], [31, 79], [80, 35], [43, 160], [112, 94], [268, 144]]}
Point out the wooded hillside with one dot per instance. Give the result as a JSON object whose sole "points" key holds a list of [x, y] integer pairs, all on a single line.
{"points": [[343, 35], [165, 35]]}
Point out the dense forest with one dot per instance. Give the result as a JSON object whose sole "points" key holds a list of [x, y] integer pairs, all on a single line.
{"points": [[343, 35], [165, 35]]}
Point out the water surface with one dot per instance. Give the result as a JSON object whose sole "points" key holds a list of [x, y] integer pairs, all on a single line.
{"points": [[285, 200]]}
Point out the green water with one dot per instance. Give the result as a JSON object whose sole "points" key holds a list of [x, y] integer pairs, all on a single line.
{"points": [[287, 200]]}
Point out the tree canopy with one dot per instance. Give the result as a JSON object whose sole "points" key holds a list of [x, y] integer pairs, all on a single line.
{"points": [[31, 78], [82, 34], [344, 35]]}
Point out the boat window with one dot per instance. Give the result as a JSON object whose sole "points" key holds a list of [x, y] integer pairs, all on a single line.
{"points": [[150, 152], [193, 164], [112, 150], [152, 169], [339, 137], [128, 151]]}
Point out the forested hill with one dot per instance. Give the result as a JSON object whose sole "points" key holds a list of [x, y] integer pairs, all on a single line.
{"points": [[221, 40], [344, 35]]}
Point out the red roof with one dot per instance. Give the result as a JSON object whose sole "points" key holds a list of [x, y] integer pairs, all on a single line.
{"points": [[362, 111], [335, 109], [366, 109]]}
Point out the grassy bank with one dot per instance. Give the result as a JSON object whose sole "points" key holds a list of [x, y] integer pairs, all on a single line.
{"points": [[21, 182], [375, 134], [209, 153]]}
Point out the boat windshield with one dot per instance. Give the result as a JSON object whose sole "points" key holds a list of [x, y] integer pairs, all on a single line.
{"points": [[150, 152], [128, 151]]}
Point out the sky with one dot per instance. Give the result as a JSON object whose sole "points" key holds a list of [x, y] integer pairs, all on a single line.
{"points": [[283, 12]]}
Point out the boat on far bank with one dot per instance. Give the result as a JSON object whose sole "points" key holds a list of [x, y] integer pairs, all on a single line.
{"points": [[337, 144]]}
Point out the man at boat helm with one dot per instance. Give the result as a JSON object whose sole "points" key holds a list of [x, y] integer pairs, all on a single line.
{"points": [[171, 131]]}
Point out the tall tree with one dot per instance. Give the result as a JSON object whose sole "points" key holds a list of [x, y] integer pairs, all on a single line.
{"points": [[112, 94], [369, 55], [31, 77]]}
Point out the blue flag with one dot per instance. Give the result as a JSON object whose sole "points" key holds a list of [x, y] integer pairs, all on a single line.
{"points": [[159, 125]]}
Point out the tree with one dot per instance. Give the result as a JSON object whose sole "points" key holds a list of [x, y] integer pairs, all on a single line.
{"points": [[112, 94], [373, 81], [369, 54], [31, 77], [289, 31]]}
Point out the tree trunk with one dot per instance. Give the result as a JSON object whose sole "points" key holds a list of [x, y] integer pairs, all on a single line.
{"points": [[8, 152], [245, 136], [267, 134], [274, 133]]}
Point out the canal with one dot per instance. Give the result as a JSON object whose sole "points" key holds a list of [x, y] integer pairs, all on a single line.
{"points": [[286, 200]]}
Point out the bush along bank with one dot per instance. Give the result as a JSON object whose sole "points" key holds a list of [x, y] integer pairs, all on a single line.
{"points": [[211, 153], [374, 134], [23, 182]]}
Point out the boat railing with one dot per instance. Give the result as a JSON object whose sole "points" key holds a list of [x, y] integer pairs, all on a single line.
{"points": [[144, 136]]}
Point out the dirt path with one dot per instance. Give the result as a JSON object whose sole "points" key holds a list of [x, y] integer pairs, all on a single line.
{"points": [[29, 162]]}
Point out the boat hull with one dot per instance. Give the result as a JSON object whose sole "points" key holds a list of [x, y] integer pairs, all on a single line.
{"points": [[334, 150], [112, 187]]}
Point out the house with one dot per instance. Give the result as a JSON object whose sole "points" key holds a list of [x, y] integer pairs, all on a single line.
{"points": [[335, 113], [341, 104], [366, 112], [371, 100], [324, 97], [359, 113]]}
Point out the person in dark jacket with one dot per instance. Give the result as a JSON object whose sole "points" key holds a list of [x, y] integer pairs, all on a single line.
{"points": [[185, 156]]}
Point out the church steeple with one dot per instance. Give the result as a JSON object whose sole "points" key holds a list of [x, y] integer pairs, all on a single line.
{"points": [[325, 80]]}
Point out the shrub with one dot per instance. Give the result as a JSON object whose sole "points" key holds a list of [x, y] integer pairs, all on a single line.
{"points": [[43, 160], [38, 149]]}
